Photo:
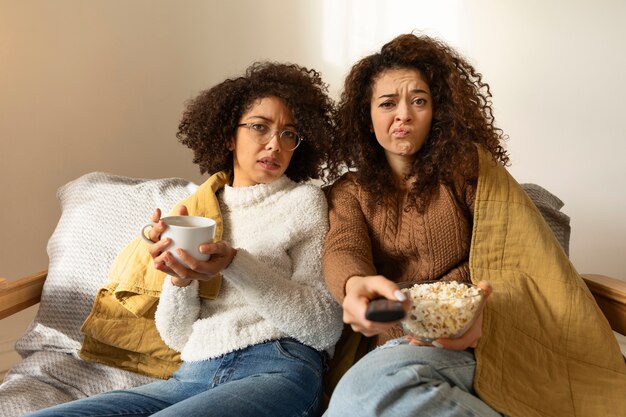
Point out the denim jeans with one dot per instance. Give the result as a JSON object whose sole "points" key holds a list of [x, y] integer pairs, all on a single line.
{"points": [[277, 378], [398, 379]]}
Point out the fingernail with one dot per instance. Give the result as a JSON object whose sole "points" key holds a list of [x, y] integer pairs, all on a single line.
{"points": [[437, 344], [399, 295]]}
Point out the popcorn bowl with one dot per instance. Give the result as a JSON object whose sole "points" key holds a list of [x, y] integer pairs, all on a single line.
{"points": [[441, 309]]}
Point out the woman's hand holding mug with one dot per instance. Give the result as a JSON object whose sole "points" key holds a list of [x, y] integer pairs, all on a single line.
{"points": [[182, 246]]}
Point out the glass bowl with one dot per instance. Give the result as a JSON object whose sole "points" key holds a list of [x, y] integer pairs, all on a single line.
{"points": [[441, 309]]}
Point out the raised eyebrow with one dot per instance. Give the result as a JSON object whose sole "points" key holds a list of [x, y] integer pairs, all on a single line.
{"points": [[420, 91], [263, 118], [414, 91]]}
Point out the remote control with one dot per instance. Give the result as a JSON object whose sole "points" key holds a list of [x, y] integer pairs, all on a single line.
{"points": [[383, 310]]}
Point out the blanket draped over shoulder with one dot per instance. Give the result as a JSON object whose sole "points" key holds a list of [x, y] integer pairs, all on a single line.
{"points": [[546, 349], [120, 330]]}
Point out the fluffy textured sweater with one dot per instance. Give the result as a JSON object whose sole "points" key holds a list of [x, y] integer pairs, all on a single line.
{"points": [[366, 238], [274, 286]]}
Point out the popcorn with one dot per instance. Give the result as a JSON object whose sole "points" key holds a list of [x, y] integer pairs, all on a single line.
{"points": [[441, 309]]}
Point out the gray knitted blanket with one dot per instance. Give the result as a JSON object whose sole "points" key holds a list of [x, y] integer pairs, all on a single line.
{"points": [[101, 213]]}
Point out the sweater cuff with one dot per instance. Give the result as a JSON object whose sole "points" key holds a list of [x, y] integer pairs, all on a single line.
{"points": [[169, 289]]}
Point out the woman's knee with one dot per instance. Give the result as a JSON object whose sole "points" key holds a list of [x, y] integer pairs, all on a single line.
{"points": [[386, 376]]}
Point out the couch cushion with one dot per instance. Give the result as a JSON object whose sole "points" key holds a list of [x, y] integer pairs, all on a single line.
{"points": [[550, 206], [101, 213]]}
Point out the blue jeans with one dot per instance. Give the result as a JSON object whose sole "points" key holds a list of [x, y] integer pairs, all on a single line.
{"points": [[398, 379], [277, 378]]}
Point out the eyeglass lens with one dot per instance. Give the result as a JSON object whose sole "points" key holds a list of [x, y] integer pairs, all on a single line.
{"points": [[262, 134]]}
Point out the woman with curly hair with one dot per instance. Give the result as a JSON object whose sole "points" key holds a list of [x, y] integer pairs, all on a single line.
{"points": [[429, 198], [259, 347], [410, 120]]}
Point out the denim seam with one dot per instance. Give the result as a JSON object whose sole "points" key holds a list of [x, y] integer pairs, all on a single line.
{"points": [[287, 355]]}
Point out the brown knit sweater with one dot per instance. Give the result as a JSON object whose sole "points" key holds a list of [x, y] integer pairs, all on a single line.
{"points": [[403, 245]]}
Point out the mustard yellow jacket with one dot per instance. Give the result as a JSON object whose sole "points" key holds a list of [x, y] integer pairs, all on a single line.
{"points": [[120, 330]]}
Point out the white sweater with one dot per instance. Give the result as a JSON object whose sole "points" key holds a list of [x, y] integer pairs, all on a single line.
{"points": [[274, 286]]}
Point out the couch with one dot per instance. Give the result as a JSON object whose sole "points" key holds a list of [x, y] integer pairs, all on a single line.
{"points": [[101, 212]]}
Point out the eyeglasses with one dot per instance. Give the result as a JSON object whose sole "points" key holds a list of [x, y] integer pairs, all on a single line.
{"points": [[262, 134]]}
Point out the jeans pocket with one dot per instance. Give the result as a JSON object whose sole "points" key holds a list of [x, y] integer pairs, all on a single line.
{"points": [[296, 351]]}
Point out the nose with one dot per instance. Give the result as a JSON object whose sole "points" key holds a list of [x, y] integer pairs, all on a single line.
{"points": [[403, 112], [274, 142]]}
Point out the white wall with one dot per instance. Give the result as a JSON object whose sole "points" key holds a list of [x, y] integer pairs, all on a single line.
{"points": [[557, 71], [100, 84]]}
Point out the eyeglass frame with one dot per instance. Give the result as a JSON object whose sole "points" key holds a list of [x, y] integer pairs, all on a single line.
{"points": [[249, 125]]}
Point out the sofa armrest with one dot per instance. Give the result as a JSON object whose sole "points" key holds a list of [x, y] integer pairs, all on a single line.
{"points": [[610, 294], [20, 294]]}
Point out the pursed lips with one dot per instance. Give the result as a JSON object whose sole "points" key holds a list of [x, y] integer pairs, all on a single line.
{"points": [[400, 132]]}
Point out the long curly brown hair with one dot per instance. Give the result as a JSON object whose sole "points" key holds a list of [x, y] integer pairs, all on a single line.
{"points": [[462, 117], [210, 120]]}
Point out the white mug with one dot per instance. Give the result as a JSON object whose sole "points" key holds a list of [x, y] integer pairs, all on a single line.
{"points": [[186, 232]]}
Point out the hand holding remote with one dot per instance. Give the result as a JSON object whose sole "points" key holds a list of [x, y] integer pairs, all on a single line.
{"points": [[383, 311], [378, 294]]}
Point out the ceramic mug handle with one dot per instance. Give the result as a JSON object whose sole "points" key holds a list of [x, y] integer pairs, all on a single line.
{"points": [[143, 232]]}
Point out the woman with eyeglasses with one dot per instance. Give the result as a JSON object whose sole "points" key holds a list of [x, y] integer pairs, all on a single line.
{"points": [[259, 348]]}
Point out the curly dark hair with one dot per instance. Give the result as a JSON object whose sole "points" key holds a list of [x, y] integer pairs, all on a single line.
{"points": [[210, 119], [462, 117]]}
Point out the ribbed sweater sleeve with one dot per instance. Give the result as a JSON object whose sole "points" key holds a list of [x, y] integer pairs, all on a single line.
{"points": [[347, 248]]}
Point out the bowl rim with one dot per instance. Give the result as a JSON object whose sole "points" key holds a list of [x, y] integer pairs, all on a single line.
{"points": [[461, 331], [406, 285]]}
